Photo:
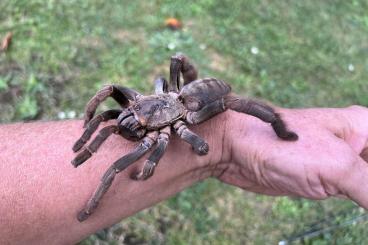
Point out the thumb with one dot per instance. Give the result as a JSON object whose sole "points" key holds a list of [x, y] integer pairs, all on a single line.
{"points": [[349, 124], [355, 185]]}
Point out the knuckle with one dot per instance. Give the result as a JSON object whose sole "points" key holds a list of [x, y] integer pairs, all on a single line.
{"points": [[358, 108]]}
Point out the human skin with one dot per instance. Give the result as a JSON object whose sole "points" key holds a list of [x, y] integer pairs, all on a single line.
{"points": [[41, 192]]}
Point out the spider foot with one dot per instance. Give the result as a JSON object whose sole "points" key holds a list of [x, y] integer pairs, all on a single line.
{"points": [[289, 136], [78, 145], [87, 211], [146, 172], [198, 144], [81, 157], [281, 131], [83, 215], [202, 150]]}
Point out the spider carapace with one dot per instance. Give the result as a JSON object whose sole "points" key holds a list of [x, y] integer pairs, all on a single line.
{"points": [[151, 119]]}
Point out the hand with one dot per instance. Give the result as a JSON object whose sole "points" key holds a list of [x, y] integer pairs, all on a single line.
{"points": [[329, 159]]}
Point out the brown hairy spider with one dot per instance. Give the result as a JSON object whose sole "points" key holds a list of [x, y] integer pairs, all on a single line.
{"points": [[152, 118]]}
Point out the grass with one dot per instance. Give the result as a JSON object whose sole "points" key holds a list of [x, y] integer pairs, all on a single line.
{"points": [[293, 53]]}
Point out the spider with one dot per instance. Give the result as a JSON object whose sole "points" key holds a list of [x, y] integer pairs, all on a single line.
{"points": [[151, 119]]}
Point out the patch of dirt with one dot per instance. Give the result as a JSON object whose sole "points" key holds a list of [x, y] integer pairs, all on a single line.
{"points": [[123, 35], [159, 70], [92, 42], [218, 62], [9, 71]]}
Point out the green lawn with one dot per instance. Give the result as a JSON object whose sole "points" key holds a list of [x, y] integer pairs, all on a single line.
{"points": [[292, 53]]}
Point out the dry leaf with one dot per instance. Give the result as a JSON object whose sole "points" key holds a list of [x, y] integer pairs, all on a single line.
{"points": [[173, 23], [6, 41]]}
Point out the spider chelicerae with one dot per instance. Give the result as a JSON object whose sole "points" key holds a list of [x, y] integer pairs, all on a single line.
{"points": [[151, 119]]}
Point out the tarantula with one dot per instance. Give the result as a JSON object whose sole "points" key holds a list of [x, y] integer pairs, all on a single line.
{"points": [[152, 118]]}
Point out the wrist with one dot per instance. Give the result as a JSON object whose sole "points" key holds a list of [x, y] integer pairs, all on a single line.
{"points": [[213, 131]]}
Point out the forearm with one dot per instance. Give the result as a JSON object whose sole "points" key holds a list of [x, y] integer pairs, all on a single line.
{"points": [[41, 192]]}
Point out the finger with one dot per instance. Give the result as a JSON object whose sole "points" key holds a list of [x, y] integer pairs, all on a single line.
{"points": [[355, 183]]}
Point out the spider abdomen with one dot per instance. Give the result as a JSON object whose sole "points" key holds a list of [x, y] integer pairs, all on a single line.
{"points": [[201, 92], [157, 111]]}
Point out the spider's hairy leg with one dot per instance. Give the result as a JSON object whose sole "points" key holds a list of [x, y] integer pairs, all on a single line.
{"points": [[160, 85], [181, 63], [92, 204], [263, 111], [94, 145], [154, 158], [92, 126], [199, 145], [115, 168], [122, 95], [208, 111]]}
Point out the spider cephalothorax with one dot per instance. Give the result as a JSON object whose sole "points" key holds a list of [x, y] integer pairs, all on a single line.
{"points": [[152, 118]]}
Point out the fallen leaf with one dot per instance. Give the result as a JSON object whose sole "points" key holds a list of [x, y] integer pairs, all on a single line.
{"points": [[6, 41], [173, 23]]}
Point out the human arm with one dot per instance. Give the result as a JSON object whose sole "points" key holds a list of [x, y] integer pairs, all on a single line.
{"points": [[42, 192]]}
